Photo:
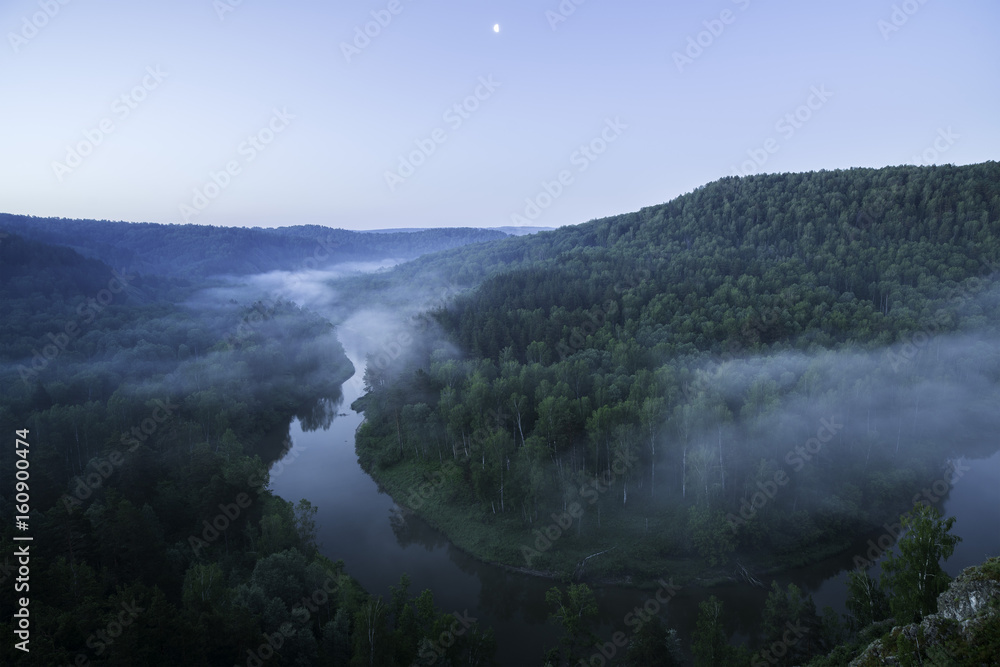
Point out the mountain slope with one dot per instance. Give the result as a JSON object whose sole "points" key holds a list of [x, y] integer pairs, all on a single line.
{"points": [[199, 250], [760, 370]]}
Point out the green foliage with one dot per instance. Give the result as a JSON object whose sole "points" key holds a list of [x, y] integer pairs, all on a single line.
{"points": [[654, 645], [792, 630], [711, 534], [914, 577], [589, 373], [866, 601], [186, 251], [574, 610], [643, 365], [149, 433], [709, 644]]}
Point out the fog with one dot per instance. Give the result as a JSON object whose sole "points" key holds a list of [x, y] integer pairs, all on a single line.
{"points": [[821, 418]]}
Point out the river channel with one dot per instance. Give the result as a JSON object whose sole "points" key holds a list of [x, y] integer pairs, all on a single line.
{"points": [[361, 525]]}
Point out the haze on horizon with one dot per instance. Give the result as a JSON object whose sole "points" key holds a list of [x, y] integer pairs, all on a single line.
{"points": [[244, 113]]}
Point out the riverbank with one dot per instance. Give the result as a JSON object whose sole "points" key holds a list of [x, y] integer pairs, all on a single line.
{"points": [[620, 559]]}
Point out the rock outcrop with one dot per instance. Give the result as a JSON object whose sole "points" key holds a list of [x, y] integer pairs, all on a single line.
{"points": [[964, 631]]}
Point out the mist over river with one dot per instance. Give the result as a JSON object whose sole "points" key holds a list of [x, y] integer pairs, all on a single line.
{"points": [[364, 527]]}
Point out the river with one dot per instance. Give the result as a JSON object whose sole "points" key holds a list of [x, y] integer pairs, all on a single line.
{"points": [[361, 525]]}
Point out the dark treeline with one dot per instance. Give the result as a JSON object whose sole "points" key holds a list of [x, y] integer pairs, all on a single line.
{"points": [[913, 614], [187, 251], [150, 426], [752, 374], [743, 379]]}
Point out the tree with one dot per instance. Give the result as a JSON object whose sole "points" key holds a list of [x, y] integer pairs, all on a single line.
{"points": [[914, 577], [370, 634], [654, 645], [711, 534], [866, 601], [336, 638], [709, 644], [651, 417], [305, 525], [574, 610], [791, 626]]}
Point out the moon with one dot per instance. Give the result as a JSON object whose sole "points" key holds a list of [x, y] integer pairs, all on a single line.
{"points": [[496, 27]]}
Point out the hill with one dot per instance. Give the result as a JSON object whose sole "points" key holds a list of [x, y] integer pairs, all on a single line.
{"points": [[144, 433], [197, 251], [750, 375]]}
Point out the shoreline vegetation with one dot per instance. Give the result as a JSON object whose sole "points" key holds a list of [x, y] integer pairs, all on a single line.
{"points": [[401, 482], [146, 416], [750, 375], [747, 377], [680, 571]]}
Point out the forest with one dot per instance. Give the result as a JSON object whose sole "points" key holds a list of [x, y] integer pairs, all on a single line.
{"points": [[741, 380], [149, 426], [198, 251]]}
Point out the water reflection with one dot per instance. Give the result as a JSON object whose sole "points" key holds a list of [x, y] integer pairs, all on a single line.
{"points": [[378, 541], [320, 413]]}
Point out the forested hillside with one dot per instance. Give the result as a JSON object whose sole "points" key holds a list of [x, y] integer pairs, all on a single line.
{"points": [[145, 430], [756, 372], [199, 250]]}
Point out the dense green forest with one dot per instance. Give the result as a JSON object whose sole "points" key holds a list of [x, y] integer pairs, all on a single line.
{"points": [[148, 427], [741, 380], [913, 614], [749, 376], [189, 251]]}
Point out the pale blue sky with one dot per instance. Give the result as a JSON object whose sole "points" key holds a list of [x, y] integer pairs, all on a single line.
{"points": [[892, 95]]}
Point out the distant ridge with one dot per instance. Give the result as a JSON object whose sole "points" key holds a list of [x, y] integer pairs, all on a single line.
{"points": [[510, 231], [197, 251]]}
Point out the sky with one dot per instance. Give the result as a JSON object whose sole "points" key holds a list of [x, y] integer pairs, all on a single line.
{"points": [[412, 113]]}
